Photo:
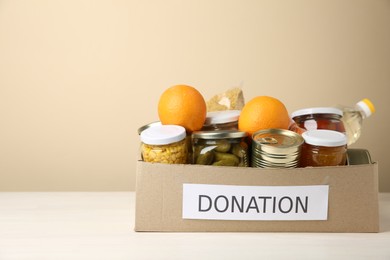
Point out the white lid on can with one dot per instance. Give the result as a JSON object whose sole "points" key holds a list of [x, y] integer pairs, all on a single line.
{"points": [[322, 137], [163, 134]]}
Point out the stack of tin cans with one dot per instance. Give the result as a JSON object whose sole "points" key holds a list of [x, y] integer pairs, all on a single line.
{"points": [[276, 148]]}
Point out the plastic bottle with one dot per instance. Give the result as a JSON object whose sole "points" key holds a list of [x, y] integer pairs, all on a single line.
{"points": [[353, 118]]}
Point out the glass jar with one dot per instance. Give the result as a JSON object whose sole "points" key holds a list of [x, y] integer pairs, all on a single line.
{"points": [[220, 148], [221, 120], [323, 148], [319, 118], [140, 130], [164, 144]]}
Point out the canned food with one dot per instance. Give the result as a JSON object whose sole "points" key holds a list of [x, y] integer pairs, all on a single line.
{"points": [[276, 148], [220, 148], [357, 156], [164, 144], [221, 120], [324, 148], [328, 118]]}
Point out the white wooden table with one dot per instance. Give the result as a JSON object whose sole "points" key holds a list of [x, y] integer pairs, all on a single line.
{"points": [[99, 225]]}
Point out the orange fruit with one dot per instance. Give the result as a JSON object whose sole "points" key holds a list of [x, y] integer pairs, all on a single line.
{"points": [[182, 105], [263, 112]]}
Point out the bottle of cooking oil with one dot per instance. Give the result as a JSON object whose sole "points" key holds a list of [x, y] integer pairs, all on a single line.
{"points": [[353, 118]]}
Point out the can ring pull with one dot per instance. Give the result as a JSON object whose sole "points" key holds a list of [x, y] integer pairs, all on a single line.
{"points": [[268, 140]]}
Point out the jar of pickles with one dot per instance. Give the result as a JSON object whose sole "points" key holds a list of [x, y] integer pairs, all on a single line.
{"points": [[220, 148], [164, 144], [319, 118], [323, 148], [221, 120]]}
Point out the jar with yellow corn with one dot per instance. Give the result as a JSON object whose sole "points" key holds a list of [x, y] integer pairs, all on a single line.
{"points": [[164, 144]]}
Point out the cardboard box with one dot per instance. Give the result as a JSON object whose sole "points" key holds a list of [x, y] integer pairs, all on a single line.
{"points": [[351, 206]]}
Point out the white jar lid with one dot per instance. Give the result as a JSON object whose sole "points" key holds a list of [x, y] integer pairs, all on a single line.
{"points": [[317, 110], [221, 117], [321, 137], [163, 134]]}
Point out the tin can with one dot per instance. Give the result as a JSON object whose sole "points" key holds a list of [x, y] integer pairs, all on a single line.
{"points": [[276, 148], [220, 148], [356, 156]]}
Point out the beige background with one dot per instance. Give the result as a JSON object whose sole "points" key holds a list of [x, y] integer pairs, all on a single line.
{"points": [[77, 78]]}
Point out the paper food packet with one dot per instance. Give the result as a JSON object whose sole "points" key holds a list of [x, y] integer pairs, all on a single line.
{"points": [[232, 99]]}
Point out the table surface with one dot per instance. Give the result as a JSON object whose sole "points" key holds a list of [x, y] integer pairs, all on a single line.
{"points": [[99, 225]]}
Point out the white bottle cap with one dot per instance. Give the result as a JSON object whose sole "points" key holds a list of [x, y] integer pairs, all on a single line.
{"points": [[317, 110], [328, 138], [221, 117], [366, 106], [163, 134]]}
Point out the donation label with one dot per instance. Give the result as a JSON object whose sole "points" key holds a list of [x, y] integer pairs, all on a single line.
{"points": [[230, 202]]}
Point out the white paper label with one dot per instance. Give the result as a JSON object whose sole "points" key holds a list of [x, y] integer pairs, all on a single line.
{"points": [[228, 202]]}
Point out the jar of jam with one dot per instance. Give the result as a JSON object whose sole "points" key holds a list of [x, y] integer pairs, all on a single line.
{"points": [[323, 148], [220, 148], [221, 120], [164, 144], [319, 118]]}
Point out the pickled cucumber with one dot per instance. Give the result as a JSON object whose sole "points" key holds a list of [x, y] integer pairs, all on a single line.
{"points": [[198, 149], [228, 158], [222, 146], [205, 158], [226, 162], [240, 149]]}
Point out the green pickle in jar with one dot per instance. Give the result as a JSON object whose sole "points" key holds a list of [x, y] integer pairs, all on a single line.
{"points": [[220, 148], [164, 144]]}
